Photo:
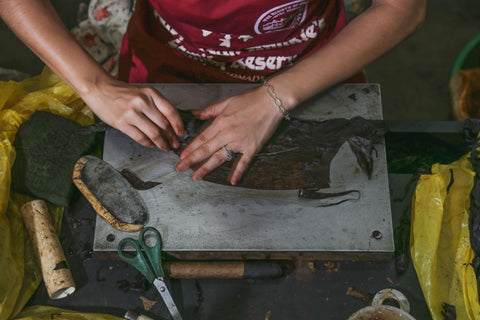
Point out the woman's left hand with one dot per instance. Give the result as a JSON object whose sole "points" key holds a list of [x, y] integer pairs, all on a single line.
{"points": [[242, 124]]}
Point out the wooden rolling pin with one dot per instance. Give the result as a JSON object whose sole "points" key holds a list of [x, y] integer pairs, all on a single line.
{"points": [[48, 250], [133, 315], [227, 269]]}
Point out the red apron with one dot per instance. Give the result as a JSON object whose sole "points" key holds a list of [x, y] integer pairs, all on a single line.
{"points": [[223, 41]]}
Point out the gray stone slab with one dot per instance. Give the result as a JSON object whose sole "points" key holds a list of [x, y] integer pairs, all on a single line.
{"points": [[203, 216]]}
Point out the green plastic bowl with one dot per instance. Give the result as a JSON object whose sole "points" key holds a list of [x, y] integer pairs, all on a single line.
{"points": [[469, 56]]}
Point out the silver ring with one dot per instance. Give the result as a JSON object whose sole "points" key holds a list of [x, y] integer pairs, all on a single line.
{"points": [[229, 153]]}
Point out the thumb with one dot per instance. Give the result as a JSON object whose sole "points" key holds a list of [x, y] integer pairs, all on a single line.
{"points": [[211, 111]]}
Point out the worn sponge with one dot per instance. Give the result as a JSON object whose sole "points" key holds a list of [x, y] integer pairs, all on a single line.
{"points": [[47, 148]]}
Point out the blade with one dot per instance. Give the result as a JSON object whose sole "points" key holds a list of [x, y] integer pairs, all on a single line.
{"points": [[423, 126], [159, 283]]}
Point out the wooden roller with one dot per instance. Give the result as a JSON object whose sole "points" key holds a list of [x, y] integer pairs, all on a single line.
{"points": [[48, 250], [227, 269], [133, 315]]}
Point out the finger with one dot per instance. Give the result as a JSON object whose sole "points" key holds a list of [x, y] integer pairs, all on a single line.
{"points": [[170, 112], [216, 160], [151, 130], [211, 111], [200, 154], [200, 141], [241, 167], [158, 119], [138, 136]]}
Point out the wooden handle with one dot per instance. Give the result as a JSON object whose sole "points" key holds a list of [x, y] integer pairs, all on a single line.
{"points": [[133, 315], [225, 269], [48, 250]]}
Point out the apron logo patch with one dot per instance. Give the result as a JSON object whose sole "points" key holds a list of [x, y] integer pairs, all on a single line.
{"points": [[286, 16]]}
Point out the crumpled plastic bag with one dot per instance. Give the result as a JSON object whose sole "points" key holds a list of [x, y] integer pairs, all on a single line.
{"points": [[27, 271], [18, 101], [48, 313], [440, 239]]}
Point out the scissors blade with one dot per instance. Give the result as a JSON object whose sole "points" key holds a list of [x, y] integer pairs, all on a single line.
{"points": [[159, 283]]}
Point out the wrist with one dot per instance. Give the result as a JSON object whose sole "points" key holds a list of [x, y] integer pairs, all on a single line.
{"points": [[282, 93], [277, 102], [93, 83]]}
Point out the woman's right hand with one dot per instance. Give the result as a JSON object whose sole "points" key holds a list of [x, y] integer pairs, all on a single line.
{"points": [[139, 111]]}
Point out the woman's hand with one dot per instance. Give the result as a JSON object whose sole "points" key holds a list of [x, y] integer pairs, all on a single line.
{"points": [[242, 123], [141, 112]]}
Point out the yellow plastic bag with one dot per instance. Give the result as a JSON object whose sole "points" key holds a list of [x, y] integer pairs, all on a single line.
{"points": [[18, 101], [31, 272], [48, 313], [440, 239]]}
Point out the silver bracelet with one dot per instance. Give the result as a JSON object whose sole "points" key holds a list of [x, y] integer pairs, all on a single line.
{"points": [[276, 100]]}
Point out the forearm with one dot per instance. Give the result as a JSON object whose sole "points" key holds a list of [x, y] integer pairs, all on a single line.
{"points": [[377, 30], [138, 111], [37, 24]]}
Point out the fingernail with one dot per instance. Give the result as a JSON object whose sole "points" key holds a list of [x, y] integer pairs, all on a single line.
{"points": [[180, 167], [197, 114], [183, 155]]}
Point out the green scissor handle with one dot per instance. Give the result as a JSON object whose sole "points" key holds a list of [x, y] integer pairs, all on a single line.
{"points": [[153, 254]]}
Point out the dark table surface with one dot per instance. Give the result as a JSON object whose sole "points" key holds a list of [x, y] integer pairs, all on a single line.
{"points": [[313, 290]]}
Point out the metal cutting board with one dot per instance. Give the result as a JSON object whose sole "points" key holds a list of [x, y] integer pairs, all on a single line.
{"points": [[202, 219]]}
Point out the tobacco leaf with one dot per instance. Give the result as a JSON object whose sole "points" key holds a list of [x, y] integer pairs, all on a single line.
{"points": [[299, 154]]}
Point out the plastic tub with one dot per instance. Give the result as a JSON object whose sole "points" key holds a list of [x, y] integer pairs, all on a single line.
{"points": [[469, 56]]}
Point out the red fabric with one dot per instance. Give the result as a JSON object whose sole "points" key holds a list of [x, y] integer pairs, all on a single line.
{"points": [[223, 41]]}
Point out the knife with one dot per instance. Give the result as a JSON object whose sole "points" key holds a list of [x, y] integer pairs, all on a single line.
{"points": [[428, 126]]}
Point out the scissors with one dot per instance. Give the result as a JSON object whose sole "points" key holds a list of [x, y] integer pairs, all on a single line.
{"points": [[149, 263]]}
